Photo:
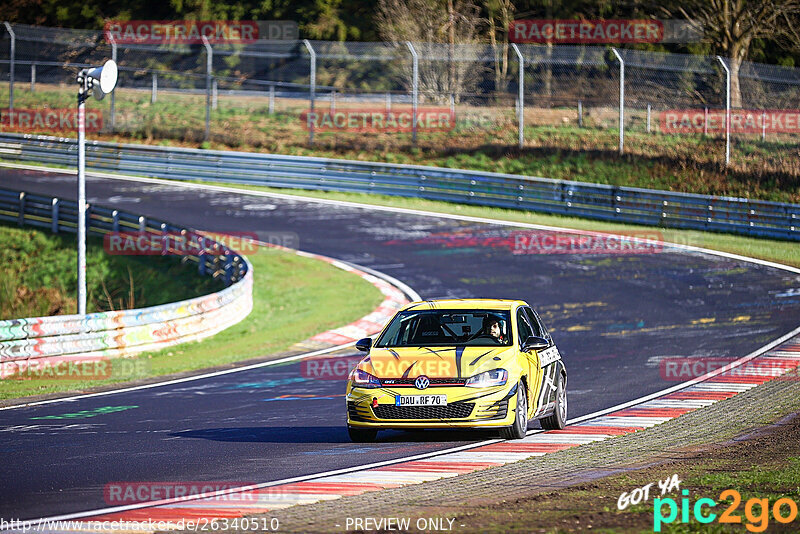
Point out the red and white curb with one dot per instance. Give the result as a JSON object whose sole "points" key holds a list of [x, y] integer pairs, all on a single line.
{"points": [[773, 364]]}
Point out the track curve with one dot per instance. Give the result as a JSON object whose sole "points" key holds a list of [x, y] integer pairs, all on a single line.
{"points": [[614, 316]]}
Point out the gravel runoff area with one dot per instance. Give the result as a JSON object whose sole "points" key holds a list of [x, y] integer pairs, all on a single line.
{"points": [[505, 490]]}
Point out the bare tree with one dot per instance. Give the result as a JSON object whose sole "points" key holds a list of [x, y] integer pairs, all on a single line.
{"points": [[500, 17], [430, 24], [733, 25]]}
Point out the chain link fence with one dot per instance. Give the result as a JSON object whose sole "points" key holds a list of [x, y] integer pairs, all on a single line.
{"points": [[288, 95]]}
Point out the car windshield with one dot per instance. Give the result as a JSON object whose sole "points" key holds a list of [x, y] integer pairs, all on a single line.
{"points": [[424, 328]]}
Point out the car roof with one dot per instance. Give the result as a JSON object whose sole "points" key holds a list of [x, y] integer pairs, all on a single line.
{"points": [[465, 304]]}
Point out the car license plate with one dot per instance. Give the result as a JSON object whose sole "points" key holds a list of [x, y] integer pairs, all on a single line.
{"points": [[420, 400]]}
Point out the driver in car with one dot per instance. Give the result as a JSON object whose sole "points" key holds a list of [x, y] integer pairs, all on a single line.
{"points": [[492, 327]]}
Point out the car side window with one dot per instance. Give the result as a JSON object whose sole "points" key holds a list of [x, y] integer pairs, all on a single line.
{"points": [[525, 330], [538, 328]]}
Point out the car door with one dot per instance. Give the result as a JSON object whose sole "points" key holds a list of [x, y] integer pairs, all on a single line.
{"points": [[524, 331], [548, 361]]}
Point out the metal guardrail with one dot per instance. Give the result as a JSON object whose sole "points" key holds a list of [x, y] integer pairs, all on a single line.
{"points": [[571, 198], [30, 342]]}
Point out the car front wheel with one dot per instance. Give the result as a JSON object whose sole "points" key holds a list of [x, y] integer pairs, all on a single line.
{"points": [[520, 426]]}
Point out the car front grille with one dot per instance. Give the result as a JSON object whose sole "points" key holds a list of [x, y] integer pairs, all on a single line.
{"points": [[409, 382], [451, 411]]}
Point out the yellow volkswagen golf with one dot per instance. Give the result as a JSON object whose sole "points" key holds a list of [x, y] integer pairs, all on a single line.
{"points": [[475, 363]]}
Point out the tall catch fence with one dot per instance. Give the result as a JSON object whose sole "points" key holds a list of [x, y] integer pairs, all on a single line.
{"points": [[283, 94]]}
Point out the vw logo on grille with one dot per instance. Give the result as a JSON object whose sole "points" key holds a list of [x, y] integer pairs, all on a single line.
{"points": [[422, 382]]}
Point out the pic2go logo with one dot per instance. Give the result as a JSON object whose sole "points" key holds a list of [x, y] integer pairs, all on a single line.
{"points": [[756, 511]]}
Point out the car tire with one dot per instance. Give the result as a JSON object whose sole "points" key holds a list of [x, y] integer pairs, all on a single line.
{"points": [[559, 417], [362, 435], [520, 426]]}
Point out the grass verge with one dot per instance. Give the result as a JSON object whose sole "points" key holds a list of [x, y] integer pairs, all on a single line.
{"points": [[294, 298]]}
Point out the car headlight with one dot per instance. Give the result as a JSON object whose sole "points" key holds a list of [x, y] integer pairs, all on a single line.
{"points": [[363, 379], [495, 377]]}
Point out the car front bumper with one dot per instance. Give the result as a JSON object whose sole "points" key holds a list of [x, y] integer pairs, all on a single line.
{"points": [[466, 408]]}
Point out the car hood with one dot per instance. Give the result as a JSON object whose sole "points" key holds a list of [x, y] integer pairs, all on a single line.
{"points": [[434, 362]]}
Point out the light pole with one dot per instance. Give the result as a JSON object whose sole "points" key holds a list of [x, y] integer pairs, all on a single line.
{"points": [[727, 110], [98, 81]]}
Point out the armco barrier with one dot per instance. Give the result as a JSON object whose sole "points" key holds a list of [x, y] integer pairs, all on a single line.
{"points": [[121, 333], [621, 204]]}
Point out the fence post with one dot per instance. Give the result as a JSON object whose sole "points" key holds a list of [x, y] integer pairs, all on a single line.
{"points": [[228, 267], [580, 114], [214, 93], [312, 84], [621, 101], [142, 224], [11, 59], [763, 125], [388, 101], [33, 77], [54, 216], [648, 118], [520, 96], [271, 99], [333, 101], [154, 89], [201, 259], [113, 105], [209, 65], [115, 220], [164, 240], [705, 120], [21, 214], [414, 90], [727, 110]]}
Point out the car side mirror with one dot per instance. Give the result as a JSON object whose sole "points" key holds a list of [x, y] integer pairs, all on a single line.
{"points": [[535, 343], [364, 344]]}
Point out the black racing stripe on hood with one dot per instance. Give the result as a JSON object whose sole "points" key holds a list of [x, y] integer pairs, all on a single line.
{"points": [[405, 373], [473, 362], [459, 354], [436, 352], [394, 353]]}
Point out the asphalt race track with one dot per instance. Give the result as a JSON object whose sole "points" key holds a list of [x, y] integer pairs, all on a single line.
{"points": [[613, 316]]}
